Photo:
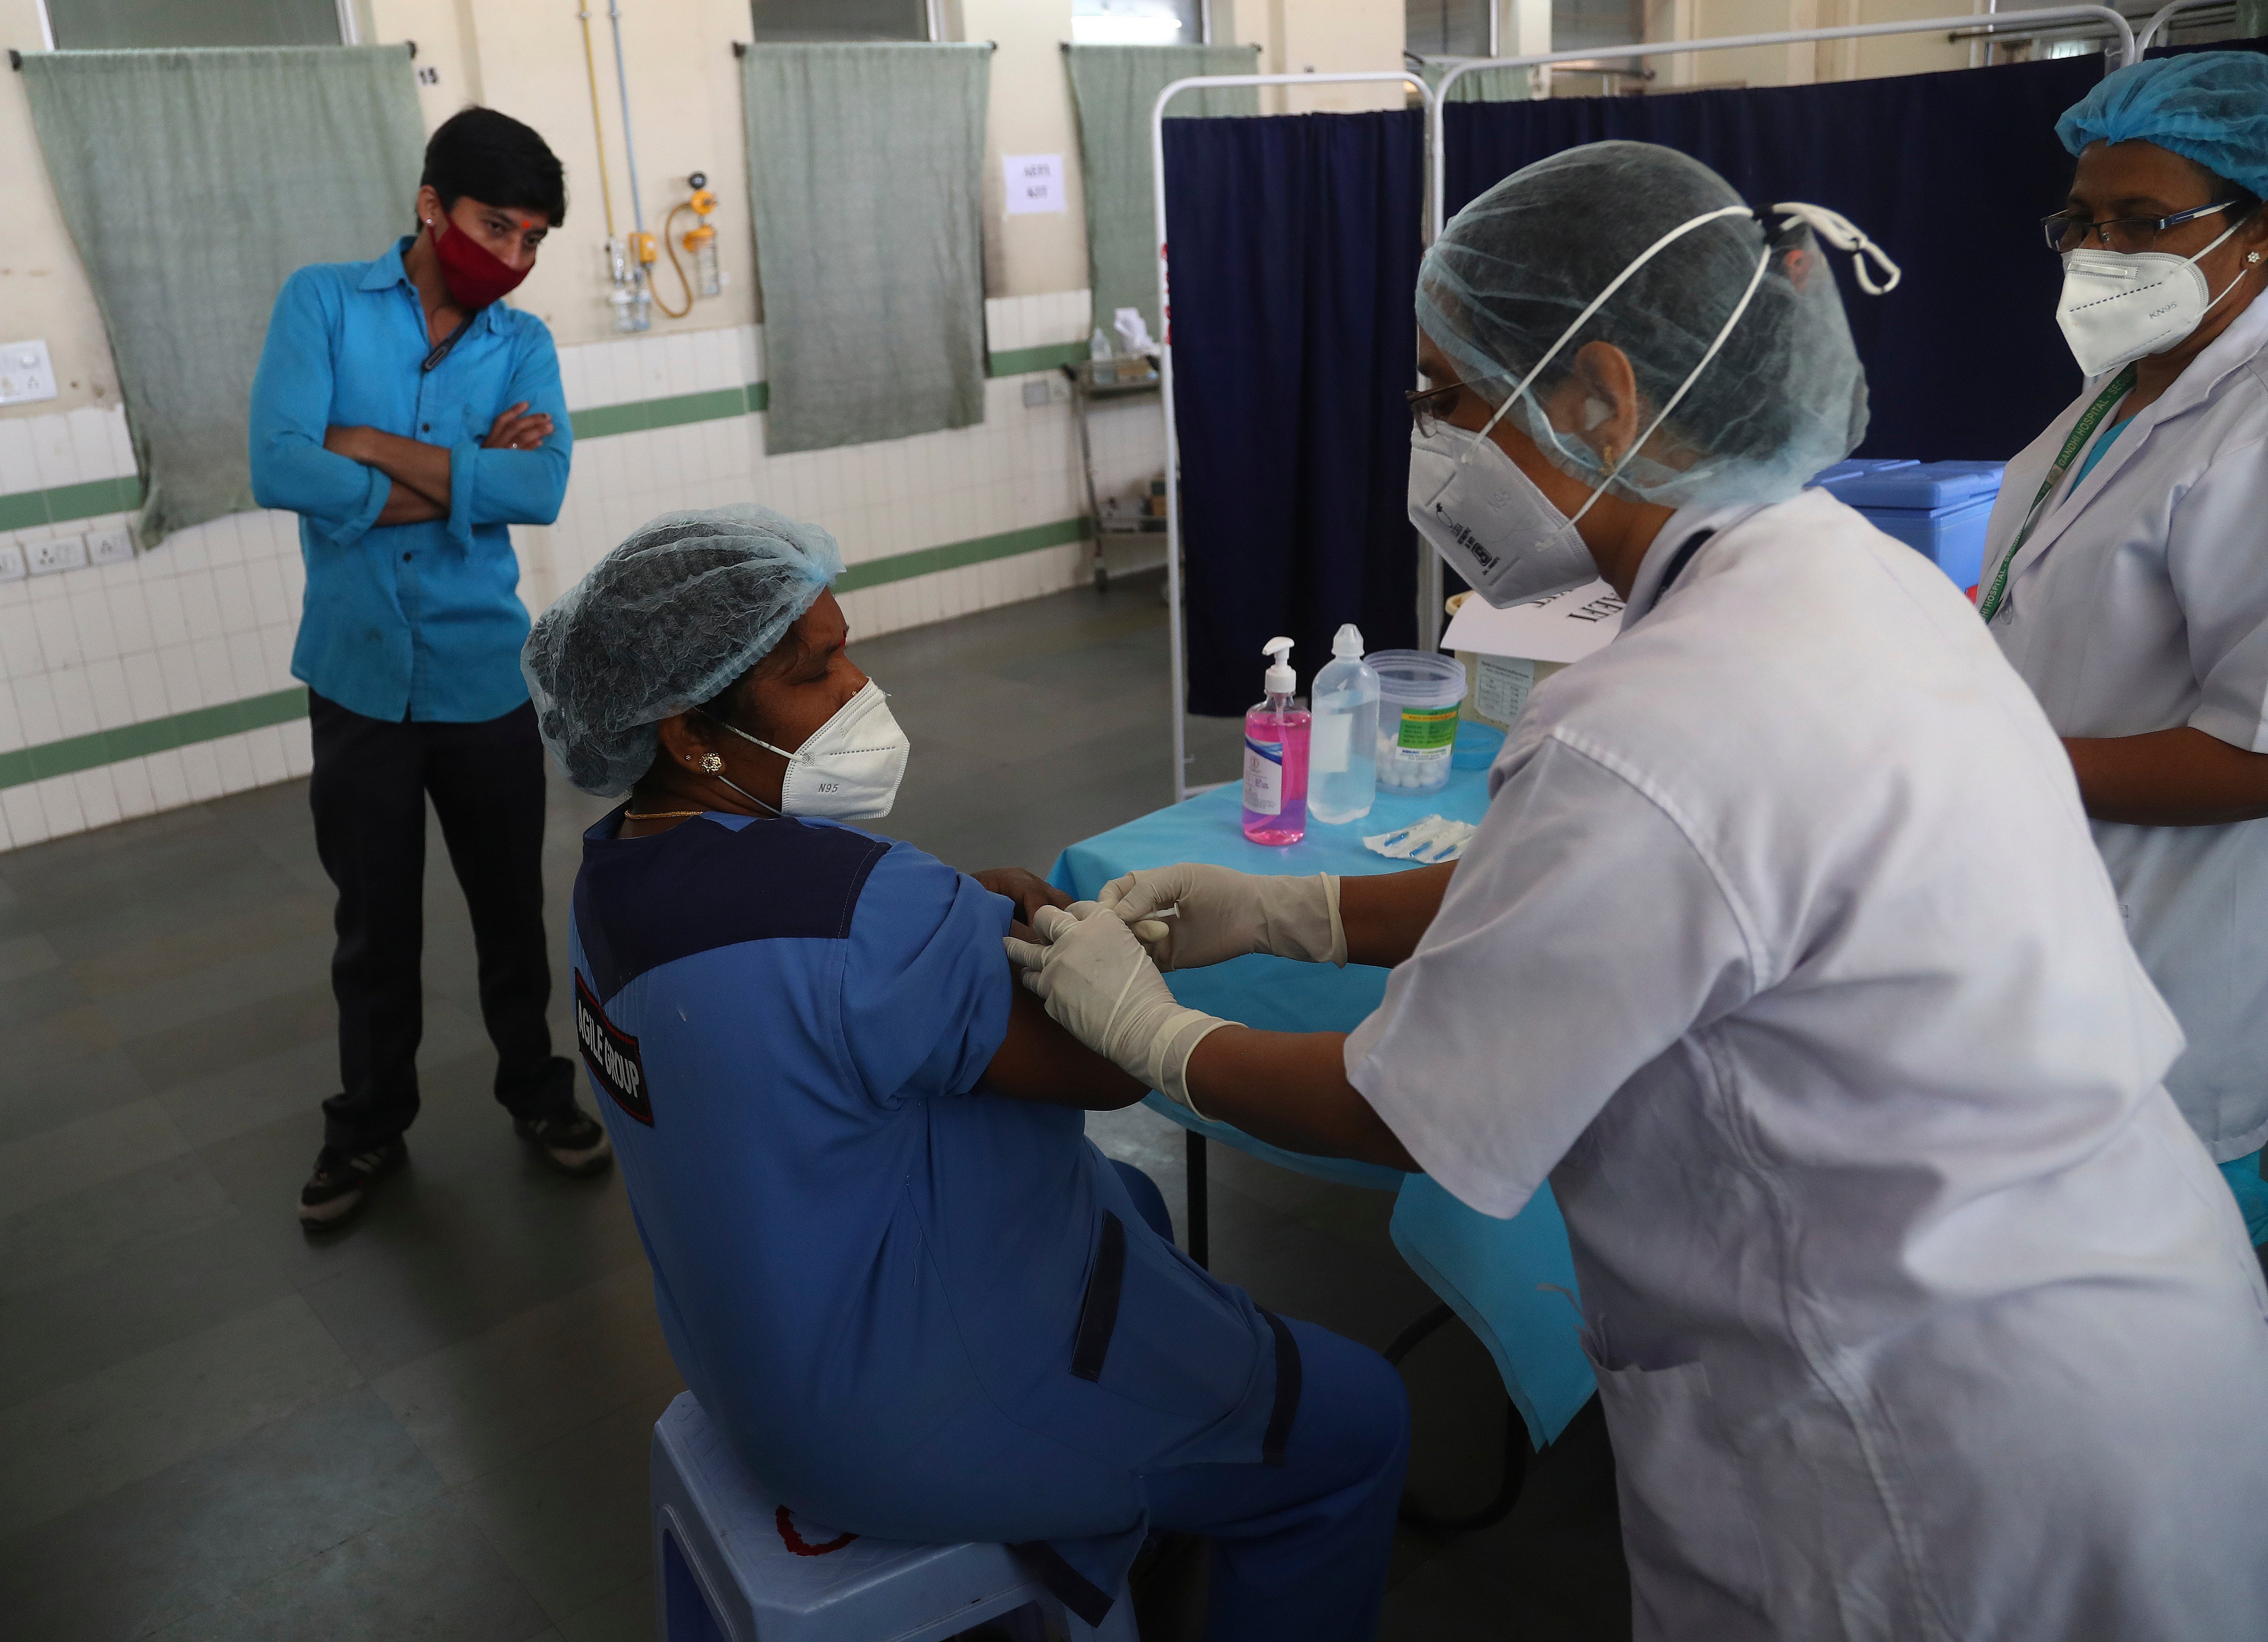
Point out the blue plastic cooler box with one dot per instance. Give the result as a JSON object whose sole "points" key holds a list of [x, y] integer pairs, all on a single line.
{"points": [[1937, 508]]}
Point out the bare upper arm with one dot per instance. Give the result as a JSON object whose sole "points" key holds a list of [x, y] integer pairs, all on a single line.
{"points": [[1040, 1060]]}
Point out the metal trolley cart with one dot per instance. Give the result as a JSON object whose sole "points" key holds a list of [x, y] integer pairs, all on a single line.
{"points": [[1121, 523]]}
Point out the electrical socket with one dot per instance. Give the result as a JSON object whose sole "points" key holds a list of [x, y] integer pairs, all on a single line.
{"points": [[114, 546], [65, 553], [11, 564], [25, 372]]}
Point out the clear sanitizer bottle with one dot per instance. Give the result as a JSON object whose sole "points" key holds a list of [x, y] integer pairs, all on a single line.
{"points": [[1343, 751], [1276, 757]]}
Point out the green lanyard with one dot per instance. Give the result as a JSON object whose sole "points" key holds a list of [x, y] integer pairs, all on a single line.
{"points": [[2081, 431]]}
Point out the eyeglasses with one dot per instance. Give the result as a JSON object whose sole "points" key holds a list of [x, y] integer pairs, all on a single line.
{"points": [[2067, 232], [1431, 408]]}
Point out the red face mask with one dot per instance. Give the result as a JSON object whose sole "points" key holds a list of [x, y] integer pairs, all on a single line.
{"points": [[473, 275]]}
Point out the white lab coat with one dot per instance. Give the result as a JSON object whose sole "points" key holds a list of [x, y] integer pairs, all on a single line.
{"points": [[1784, 949], [2142, 603]]}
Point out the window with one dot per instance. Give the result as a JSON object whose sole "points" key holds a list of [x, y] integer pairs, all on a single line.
{"points": [[1446, 28], [1588, 25], [151, 25], [1138, 22], [843, 19]]}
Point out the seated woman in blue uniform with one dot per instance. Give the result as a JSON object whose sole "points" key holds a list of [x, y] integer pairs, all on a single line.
{"points": [[885, 1257]]}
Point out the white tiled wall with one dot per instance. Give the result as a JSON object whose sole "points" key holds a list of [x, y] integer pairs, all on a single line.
{"points": [[209, 616]]}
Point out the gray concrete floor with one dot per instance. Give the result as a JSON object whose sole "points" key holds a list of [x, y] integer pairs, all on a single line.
{"points": [[436, 1424]]}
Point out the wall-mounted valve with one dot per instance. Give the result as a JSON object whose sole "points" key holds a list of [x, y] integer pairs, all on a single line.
{"points": [[700, 243]]}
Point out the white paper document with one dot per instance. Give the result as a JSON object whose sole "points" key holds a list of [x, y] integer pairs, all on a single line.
{"points": [[1565, 628], [1035, 183]]}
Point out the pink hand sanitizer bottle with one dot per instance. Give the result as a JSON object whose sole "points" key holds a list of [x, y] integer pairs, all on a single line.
{"points": [[1276, 757]]}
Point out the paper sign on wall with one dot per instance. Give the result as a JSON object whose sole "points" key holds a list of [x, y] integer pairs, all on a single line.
{"points": [[1035, 183]]}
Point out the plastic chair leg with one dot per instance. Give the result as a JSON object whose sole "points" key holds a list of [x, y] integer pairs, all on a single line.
{"points": [[1516, 1451]]}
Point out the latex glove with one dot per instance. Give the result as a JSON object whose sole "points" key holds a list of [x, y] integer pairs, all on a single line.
{"points": [[1225, 914], [1101, 987]]}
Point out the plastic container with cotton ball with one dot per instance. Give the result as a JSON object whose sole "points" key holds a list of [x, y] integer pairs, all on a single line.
{"points": [[1276, 735], [1419, 694], [1343, 741]]}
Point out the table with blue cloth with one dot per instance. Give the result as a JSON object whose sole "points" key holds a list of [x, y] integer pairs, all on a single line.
{"points": [[1511, 1281]]}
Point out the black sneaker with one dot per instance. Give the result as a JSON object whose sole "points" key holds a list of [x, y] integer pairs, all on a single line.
{"points": [[572, 1141], [342, 1179]]}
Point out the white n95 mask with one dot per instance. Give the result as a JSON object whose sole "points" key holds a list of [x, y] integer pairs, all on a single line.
{"points": [[848, 769], [1492, 522], [2118, 306], [1489, 519]]}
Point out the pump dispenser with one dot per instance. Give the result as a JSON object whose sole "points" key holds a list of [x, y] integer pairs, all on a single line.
{"points": [[1276, 756], [1343, 753]]}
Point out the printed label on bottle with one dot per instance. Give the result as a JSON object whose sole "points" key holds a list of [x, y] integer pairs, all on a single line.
{"points": [[1501, 690], [1263, 777], [1330, 743], [1428, 729]]}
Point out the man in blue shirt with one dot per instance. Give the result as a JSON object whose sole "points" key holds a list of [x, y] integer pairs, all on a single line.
{"points": [[409, 417]]}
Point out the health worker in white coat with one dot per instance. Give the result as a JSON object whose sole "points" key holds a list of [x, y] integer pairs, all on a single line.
{"points": [[1917, 1311], [2126, 564]]}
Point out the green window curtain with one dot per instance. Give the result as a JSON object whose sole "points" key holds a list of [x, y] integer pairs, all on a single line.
{"points": [[131, 25], [194, 182], [1485, 84], [1115, 87], [866, 163]]}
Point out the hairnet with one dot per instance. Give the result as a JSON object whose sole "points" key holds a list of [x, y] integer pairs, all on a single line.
{"points": [[2211, 107], [1783, 396], [663, 623]]}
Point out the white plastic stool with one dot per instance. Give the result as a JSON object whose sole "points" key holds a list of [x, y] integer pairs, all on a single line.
{"points": [[732, 1564]]}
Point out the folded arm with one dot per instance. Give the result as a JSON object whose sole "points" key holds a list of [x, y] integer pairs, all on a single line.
{"points": [[404, 506], [292, 467], [517, 474], [421, 473], [2170, 778], [2207, 771]]}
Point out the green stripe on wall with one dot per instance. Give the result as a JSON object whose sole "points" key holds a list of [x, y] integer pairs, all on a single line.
{"points": [[677, 410], [74, 753], [1022, 361], [181, 730], [26, 510], [924, 561]]}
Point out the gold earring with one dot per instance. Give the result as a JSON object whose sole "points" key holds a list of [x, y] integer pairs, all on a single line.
{"points": [[710, 763], [1608, 453]]}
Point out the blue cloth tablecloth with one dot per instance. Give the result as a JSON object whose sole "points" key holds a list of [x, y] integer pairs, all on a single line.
{"points": [[1530, 1331]]}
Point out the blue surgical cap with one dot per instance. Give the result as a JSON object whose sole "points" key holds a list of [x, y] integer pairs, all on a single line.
{"points": [[1783, 398], [2211, 107], [663, 623]]}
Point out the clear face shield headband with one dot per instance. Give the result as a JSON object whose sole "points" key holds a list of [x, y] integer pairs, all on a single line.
{"points": [[1831, 226]]}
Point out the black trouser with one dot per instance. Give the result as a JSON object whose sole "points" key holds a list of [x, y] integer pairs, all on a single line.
{"points": [[368, 793]]}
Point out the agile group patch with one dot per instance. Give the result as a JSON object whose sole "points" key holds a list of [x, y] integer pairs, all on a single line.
{"points": [[612, 1056]]}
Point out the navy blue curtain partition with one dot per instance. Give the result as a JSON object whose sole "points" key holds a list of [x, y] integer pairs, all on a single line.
{"points": [[1949, 173], [1295, 241]]}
